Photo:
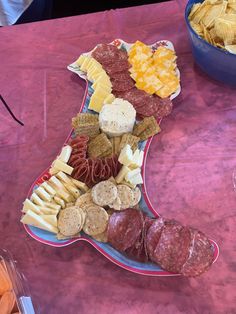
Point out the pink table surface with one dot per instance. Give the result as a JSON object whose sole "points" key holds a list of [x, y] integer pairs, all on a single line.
{"points": [[189, 171]]}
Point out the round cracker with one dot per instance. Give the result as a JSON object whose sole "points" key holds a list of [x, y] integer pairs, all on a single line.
{"points": [[96, 220], [104, 193], [136, 196], [101, 237], [126, 196], [116, 205], [70, 221], [84, 200]]}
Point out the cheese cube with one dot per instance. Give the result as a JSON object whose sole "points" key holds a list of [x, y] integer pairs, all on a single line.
{"points": [[137, 159], [126, 155], [60, 165], [30, 205], [43, 194], [122, 173], [134, 177], [36, 199], [30, 218], [65, 153]]}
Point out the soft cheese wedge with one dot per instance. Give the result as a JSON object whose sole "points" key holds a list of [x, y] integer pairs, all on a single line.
{"points": [[65, 153], [28, 205], [117, 118], [134, 177], [31, 218], [122, 173], [137, 160], [51, 219], [126, 155]]}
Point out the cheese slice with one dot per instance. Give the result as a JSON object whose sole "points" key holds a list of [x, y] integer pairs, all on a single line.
{"points": [[52, 205], [126, 155], [109, 99], [61, 166], [81, 185], [96, 103], [85, 63], [48, 188], [43, 194], [51, 219], [122, 173], [63, 177], [80, 60], [30, 218], [102, 86], [48, 211], [65, 153], [30, 205], [55, 183], [63, 194], [60, 201], [72, 189], [98, 74], [36, 199], [137, 159]]}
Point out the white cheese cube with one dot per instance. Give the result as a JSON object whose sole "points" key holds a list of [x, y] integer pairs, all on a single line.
{"points": [[134, 177], [122, 173], [126, 155], [137, 159]]}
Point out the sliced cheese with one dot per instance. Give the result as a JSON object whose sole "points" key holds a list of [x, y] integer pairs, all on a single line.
{"points": [[60, 201], [61, 166], [52, 205], [30, 218], [72, 189], [30, 205], [85, 63], [63, 194], [126, 155], [64, 177], [106, 88], [101, 92], [48, 188], [81, 185], [65, 153], [122, 173], [48, 211], [96, 103], [137, 159], [36, 199], [43, 194], [55, 183], [109, 99], [51, 219], [80, 60], [53, 171]]}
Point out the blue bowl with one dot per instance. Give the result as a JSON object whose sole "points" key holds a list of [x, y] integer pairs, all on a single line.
{"points": [[216, 62]]}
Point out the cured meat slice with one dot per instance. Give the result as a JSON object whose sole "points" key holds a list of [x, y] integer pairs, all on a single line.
{"points": [[124, 228], [121, 76], [139, 251], [201, 255], [164, 107], [116, 66], [172, 249], [153, 237], [105, 52], [122, 86]]}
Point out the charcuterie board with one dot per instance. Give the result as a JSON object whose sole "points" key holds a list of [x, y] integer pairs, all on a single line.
{"points": [[106, 249]]}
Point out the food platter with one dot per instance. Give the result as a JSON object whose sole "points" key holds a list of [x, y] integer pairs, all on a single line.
{"points": [[106, 249]]}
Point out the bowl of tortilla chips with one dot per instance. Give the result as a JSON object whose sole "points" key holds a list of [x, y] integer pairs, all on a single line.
{"points": [[212, 28]]}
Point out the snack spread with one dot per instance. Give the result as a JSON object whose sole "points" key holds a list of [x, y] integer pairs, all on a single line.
{"points": [[215, 21], [94, 183]]}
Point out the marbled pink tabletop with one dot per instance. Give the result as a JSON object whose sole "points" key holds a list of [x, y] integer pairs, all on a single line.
{"points": [[191, 163]]}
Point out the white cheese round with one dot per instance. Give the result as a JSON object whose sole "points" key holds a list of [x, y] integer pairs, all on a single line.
{"points": [[117, 118]]}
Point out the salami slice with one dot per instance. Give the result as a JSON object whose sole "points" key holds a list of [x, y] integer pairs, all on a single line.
{"points": [[124, 228], [153, 237], [122, 85], [172, 248], [116, 66], [164, 107], [105, 52], [201, 255], [121, 76]]}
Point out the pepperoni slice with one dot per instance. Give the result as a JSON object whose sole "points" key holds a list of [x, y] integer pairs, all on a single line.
{"points": [[124, 228], [201, 255], [172, 248]]}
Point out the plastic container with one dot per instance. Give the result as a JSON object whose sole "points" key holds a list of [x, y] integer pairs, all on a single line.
{"points": [[24, 303], [216, 62]]}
